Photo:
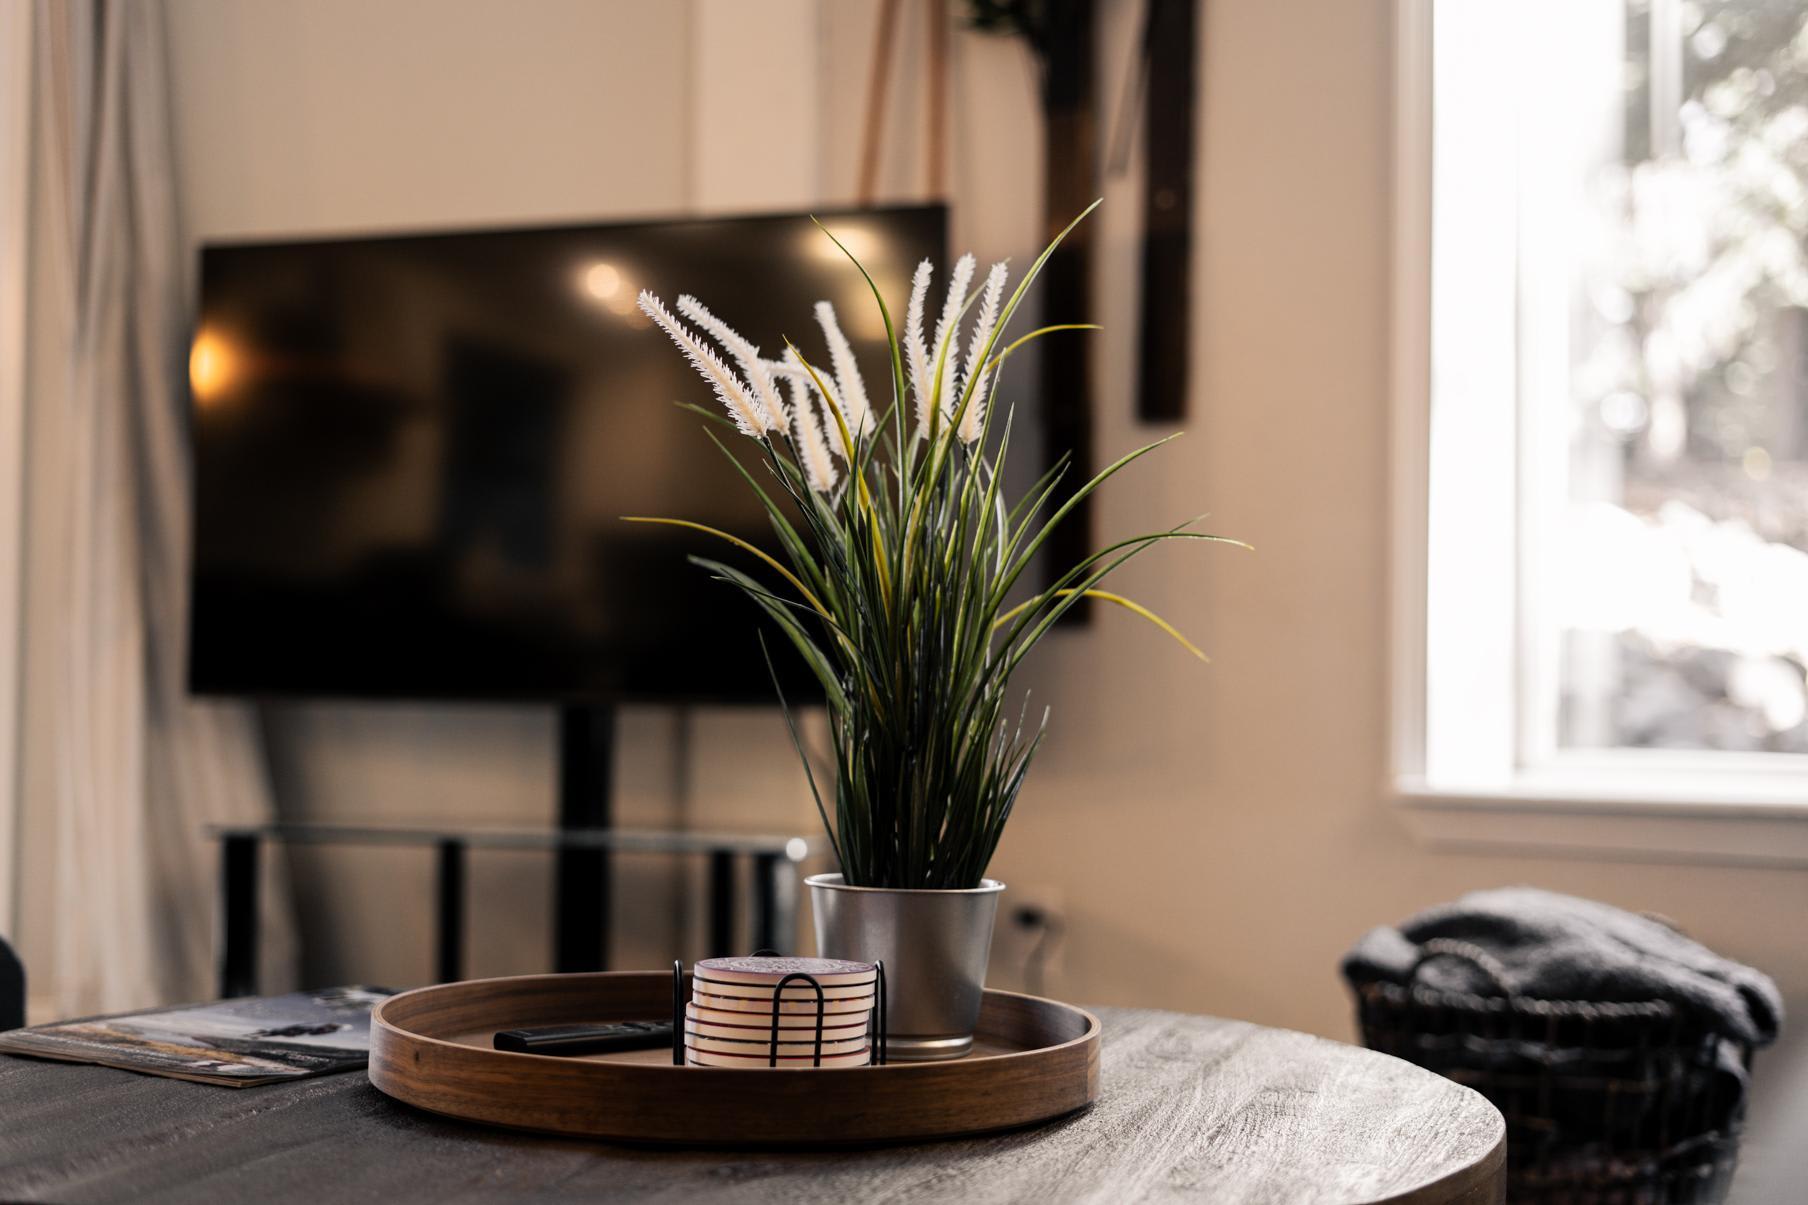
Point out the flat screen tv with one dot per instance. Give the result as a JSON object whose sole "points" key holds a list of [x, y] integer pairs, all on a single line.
{"points": [[412, 455]]}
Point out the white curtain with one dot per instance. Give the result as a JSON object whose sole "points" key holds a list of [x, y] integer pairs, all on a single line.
{"points": [[140, 770]]}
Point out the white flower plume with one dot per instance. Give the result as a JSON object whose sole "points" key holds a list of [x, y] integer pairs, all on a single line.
{"points": [[742, 406], [812, 447], [819, 385], [946, 333], [915, 351], [765, 391], [848, 383], [786, 369], [973, 421]]}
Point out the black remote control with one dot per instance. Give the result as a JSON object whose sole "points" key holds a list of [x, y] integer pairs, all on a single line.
{"points": [[586, 1039]]}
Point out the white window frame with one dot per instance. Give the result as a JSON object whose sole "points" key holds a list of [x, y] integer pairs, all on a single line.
{"points": [[1460, 768]]}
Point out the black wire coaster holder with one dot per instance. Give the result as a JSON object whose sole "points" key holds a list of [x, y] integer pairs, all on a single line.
{"points": [[875, 1024]]}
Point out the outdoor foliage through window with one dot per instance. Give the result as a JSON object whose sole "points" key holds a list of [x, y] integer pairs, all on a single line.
{"points": [[1682, 588]]}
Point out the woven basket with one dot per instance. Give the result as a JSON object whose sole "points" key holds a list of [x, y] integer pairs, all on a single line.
{"points": [[1604, 1103]]}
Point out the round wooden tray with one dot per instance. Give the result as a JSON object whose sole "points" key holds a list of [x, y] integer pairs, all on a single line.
{"points": [[1032, 1060]]}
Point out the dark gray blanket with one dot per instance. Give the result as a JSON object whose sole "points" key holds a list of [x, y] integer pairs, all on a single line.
{"points": [[1557, 947]]}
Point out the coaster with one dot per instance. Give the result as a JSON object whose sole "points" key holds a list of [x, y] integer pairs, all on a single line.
{"points": [[790, 1025], [794, 991], [766, 971], [786, 1006], [758, 1049], [762, 1062], [805, 1038]]}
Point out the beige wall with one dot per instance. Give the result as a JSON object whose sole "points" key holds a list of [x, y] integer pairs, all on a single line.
{"points": [[348, 116], [1218, 834], [342, 115]]}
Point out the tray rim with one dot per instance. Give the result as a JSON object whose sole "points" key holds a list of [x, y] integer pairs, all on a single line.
{"points": [[394, 1041]]}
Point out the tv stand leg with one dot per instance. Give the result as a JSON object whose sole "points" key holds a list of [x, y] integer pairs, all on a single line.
{"points": [[238, 914], [721, 904], [769, 932], [581, 875], [449, 926]]}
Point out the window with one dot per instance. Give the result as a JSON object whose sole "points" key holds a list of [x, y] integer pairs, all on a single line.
{"points": [[1602, 450]]}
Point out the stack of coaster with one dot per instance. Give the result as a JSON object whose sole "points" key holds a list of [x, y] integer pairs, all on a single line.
{"points": [[728, 1021]]}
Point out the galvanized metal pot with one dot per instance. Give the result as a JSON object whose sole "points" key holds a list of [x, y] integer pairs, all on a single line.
{"points": [[935, 945]]}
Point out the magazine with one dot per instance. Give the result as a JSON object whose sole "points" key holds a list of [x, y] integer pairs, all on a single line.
{"points": [[237, 1043]]}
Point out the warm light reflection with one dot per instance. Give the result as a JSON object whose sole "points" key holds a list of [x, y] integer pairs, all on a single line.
{"points": [[212, 364], [603, 280], [862, 241], [605, 283], [861, 319]]}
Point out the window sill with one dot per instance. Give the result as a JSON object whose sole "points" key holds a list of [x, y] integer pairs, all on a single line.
{"points": [[1754, 824]]}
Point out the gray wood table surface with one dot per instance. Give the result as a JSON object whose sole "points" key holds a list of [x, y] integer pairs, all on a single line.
{"points": [[1190, 1108]]}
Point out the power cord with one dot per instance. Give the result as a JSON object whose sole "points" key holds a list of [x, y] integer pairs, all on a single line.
{"points": [[1049, 930]]}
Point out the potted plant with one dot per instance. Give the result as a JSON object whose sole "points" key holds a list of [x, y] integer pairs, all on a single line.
{"points": [[903, 588]]}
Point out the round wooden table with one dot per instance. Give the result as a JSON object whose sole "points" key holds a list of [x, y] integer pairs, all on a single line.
{"points": [[1190, 1108]]}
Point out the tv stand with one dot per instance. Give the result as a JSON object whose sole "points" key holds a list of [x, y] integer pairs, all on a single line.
{"points": [[774, 863], [586, 801]]}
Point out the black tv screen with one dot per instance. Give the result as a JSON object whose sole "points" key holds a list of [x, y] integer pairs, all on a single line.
{"points": [[412, 455]]}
